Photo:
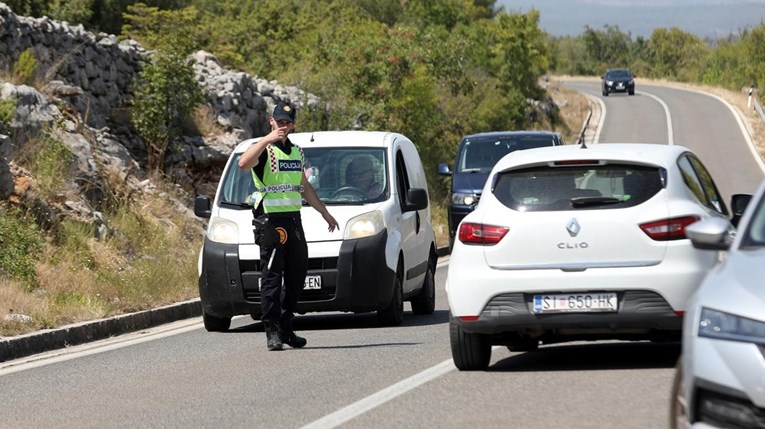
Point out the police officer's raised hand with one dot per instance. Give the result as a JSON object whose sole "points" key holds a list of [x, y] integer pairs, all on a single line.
{"points": [[279, 130]]}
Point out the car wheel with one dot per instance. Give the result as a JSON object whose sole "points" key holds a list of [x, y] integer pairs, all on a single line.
{"points": [[425, 301], [216, 324], [394, 314], [631, 92], [470, 352], [605, 93], [678, 417]]}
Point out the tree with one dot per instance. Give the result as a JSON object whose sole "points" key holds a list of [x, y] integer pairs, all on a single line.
{"points": [[607, 48], [166, 90], [676, 54], [71, 11]]}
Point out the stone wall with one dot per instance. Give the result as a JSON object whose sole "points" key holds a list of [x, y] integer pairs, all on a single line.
{"points": [[90, 75]]}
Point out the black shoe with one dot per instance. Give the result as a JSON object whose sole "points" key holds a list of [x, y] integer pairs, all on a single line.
{"points": [[273, 341], [291, 339]]}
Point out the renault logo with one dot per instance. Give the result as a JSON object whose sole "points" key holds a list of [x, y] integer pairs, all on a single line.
{"points": [[573, 227]]}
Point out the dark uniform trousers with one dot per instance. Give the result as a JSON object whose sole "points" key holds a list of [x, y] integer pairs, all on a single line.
{"points": [[288, 262]]}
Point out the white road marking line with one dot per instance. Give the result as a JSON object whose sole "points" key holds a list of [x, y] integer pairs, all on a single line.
{"points": [[670, 131], [87, 349], [373, 401]]}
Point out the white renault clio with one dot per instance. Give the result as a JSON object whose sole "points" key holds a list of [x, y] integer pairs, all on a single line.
{"points": [[384, 253], [570, 243]]}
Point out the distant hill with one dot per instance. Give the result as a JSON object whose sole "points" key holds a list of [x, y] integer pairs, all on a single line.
{"points": [[704, 18]]}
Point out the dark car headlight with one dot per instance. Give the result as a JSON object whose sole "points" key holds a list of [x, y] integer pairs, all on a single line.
{"points": [[464, 198], [726, 326]]}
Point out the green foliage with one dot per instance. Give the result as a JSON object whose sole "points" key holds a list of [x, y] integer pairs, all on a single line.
{"points": [[72, 240], [72, 11], [168, 30], [673, 54], [7, 110], [753, 41], [676, 55], [51, 163], [25, 68], [166, 91], [20, 244], [605, 49], [165, 95], [27, 7]]}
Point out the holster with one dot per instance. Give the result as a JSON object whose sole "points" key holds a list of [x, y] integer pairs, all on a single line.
{"points": [[265, 233]]}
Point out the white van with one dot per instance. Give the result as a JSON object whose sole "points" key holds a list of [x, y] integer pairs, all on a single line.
{"points": [[383, 254]]}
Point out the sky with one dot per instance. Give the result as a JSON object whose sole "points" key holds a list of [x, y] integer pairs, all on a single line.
{"points": [[704, 18]]}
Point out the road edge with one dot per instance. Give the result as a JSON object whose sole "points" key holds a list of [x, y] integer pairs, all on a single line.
{"points": [[71, 335]]}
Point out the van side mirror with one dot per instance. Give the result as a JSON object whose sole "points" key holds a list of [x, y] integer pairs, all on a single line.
{"points": [[738, 204], [202, 206], [444, 170], [416, 199]]}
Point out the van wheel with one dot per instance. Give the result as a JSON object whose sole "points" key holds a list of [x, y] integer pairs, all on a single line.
{"points": [[470, 352], [216, 324], [425, 301], [394, 314]]}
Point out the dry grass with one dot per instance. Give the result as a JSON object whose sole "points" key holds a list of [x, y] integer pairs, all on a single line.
{"points": [[149, 260]]}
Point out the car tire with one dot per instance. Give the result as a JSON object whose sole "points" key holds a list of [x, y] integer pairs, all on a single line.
{"points": [[425, 302], [470, 352], [216, 324], [393, 315], [605, 93], [678, 417], [631, 92]]}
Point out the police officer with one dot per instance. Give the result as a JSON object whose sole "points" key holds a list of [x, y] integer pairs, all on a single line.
{"points": [[277, 169]]}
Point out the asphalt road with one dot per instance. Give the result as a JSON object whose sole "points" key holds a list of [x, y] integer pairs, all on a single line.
{"points": [[354, 374]]}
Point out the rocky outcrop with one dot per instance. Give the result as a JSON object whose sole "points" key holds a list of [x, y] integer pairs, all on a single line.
{"points": [[85, 83]]}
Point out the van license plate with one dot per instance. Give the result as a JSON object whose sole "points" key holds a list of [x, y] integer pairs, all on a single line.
{"points": [[575, 303], [312, 282]]}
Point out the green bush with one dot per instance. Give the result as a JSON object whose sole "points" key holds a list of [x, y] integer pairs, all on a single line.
{"points": [[7, 110], [25, 69], [20, 244], [51, 164]]}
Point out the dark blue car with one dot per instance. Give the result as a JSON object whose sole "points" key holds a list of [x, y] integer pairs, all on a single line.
{"points": [[476, 156]]}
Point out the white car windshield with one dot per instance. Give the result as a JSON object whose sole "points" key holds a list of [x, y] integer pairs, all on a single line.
{"points": [[340, 175]]}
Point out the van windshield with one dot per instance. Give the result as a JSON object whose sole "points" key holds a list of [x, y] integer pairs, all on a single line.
{"points": [[340, 175], [479, 154]]}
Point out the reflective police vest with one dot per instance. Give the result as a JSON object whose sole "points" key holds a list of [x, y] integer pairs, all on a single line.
{"points": [[280, 188]]}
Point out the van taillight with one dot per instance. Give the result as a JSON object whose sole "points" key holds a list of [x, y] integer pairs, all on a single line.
{"points": [[478, 233], [668, 229]]}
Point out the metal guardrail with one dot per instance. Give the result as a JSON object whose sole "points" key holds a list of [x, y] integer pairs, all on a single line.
{"points": [[758, 109], [754, 103]]}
